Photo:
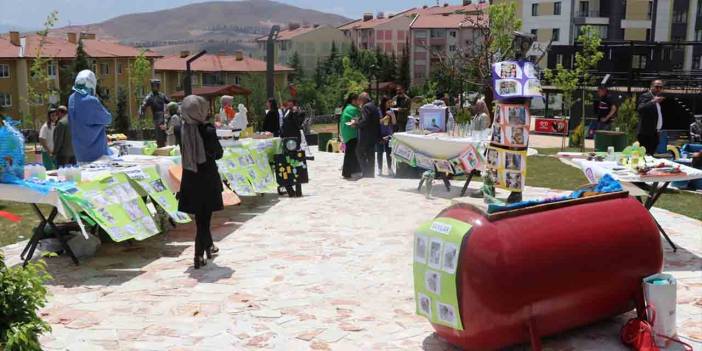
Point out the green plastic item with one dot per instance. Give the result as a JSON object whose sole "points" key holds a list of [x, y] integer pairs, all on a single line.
{"points": [[323, 139], [607, 138]]}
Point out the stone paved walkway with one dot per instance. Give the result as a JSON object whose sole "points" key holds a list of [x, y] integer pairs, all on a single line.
{"points": [[296, 274]]}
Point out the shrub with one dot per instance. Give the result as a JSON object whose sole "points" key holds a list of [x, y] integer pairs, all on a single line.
{"points": [[22, 294], [627, 119]]}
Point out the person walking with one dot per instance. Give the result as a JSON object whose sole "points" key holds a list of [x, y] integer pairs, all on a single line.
{"points": [[157, 102], [271, 122], [368, 134], [349, 136], [173, 124], [650, 117], [63, 142], [46, 139], [388, 125], [201, 187]]}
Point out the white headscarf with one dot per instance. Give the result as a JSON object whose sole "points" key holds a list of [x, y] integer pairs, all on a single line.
{"points": [[86, 82], [240, 120]]}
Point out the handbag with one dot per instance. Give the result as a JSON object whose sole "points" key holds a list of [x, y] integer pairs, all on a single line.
{"points": [[638, 334]]}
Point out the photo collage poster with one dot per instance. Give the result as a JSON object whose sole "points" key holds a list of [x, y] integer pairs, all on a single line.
{"points": [[234, 167], [510, 127], [507, 168], [116, 206], [515, 79], [437, 249], [148, 179]]}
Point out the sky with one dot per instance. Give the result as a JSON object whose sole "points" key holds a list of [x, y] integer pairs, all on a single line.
{"points": [[30, 14]]}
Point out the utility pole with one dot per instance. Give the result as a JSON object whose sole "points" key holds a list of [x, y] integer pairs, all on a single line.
{"points": [[270, 61], [188, 83]]}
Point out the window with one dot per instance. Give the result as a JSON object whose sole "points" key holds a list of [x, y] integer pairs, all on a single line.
{"points": [[556, 34], [51, 69], [696, 62], [284, 45], [401, 35], [104, 69], [452, 48], [420, 34], [106, 93], [680, 16], [534, 9], [388, 35], [452, 34], [698, 35], [638, 61], [379, 35], [559, 59], [119, 68], [584, 9], [237, 80], [5, 99], [648, 34], [438, 33], [557, 8], [4, 71]]}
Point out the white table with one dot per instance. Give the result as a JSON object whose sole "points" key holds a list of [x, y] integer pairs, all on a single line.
{"points": [[654, 186]]}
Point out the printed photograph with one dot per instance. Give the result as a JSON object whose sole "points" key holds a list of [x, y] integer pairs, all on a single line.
{"points": [[133, 209], [509, 70], [450, 261], [506, 87], [513, 180], [432, 281], [158, 186], [106, 215], [435, 253], [446, 313], [517, 115], [495, 177], [493, 158], [497, 133], [513, 161], [529, 70], [420, 248], [498, 115], [424, 302], [533, 87], [131, 229], [517, 136]]}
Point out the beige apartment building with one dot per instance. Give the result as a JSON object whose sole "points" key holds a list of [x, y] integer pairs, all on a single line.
{"points": [[312, 43]]}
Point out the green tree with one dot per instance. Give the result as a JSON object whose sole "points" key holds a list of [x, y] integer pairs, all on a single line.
{"points": [[121, 120], [403, 69], [140, 71], [22, 294], [41, 86], [296, 64], [627, 119], [569, 80]]}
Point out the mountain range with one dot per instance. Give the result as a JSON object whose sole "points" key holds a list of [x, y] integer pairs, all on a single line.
{"points": [[217, 26]]}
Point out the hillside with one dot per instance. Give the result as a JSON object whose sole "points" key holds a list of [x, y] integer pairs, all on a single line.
{"points": [[216, 26]]}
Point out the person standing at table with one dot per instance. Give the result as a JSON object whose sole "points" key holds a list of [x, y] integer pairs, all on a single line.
{"points": [[368, 134], [88, 119], [46, 139], [349, 136], [650, 117], [388, 125], [696, 130], [293, 119], [201, 187], [63, 143], [605, 110], [271, 122], [157, 101], [173, 124], [403, 103]]}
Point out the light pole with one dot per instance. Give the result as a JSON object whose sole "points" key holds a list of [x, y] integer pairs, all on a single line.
{"points": [[270, 61]]}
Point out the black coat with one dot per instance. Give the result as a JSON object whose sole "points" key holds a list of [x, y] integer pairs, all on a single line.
{"points": [[271, 123], [202, 191], [648, 114], [292, 123], [369, 125]]}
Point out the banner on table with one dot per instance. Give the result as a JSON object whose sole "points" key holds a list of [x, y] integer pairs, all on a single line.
{"points": [[404, 153], [507, 168], [514, 79], [233, 167], [148, 179], [437, 249], [116, 207], [469, 160]]}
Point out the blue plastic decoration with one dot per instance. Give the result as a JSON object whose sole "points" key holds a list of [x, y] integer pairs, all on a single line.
{"points": [[11, 152]]}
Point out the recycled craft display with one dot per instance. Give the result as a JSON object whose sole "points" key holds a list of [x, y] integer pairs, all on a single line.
{"points": [[11, 153]]}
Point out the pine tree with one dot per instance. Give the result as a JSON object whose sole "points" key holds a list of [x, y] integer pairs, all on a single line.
{"points": [[353, 56], [296, 64], [403, 69], [121, 121], [82, 60], [319, 73]]}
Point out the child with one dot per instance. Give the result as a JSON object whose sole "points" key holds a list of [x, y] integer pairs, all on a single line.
{"points": [[173, 125]]}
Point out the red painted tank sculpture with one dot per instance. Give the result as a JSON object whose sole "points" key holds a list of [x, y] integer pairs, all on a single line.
{"points": [[538, 271]]}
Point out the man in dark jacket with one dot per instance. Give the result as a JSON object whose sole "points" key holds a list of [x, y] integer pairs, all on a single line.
{"points": [[368, 135], [650, 116], [63, 143], [293, 119], [157, 101]]}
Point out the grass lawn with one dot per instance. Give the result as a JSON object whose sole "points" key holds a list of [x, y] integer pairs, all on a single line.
{"points": [[324, 128], [11, 233]]}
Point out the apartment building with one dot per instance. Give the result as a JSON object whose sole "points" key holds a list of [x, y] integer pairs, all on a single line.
{"points": [[111, 63], [312, 43], [389, 33], [433, 37], [215, 70]]}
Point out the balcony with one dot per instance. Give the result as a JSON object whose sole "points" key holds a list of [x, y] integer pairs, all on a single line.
{"points": [[590, 17]]}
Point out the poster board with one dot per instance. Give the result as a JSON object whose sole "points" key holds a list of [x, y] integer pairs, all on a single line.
{"points": [[510, 126], [507, 168], [116, 206], [437, 250], [515, 79], [233, 168], [148, 179]]}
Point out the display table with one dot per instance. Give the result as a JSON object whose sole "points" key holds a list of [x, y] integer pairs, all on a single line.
{"points": [[654, 186], [444, 154]]}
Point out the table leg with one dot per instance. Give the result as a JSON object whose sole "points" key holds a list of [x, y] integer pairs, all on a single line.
{"points": [[465, 186], [447, 182], [421, 182], [654, 193], [665, 235], [38, 235]]}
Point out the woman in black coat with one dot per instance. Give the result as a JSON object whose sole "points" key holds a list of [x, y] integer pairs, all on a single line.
{"points": [[271, 123], [201, 187]]}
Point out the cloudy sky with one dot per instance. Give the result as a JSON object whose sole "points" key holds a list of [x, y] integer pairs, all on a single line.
{"points": [[24, 14]]}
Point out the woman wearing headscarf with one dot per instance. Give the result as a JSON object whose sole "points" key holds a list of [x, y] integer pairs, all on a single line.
{"points": [[201, 186], [173, 123], [240, 120], [271, 123], [481, 119], [226, 112]]}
